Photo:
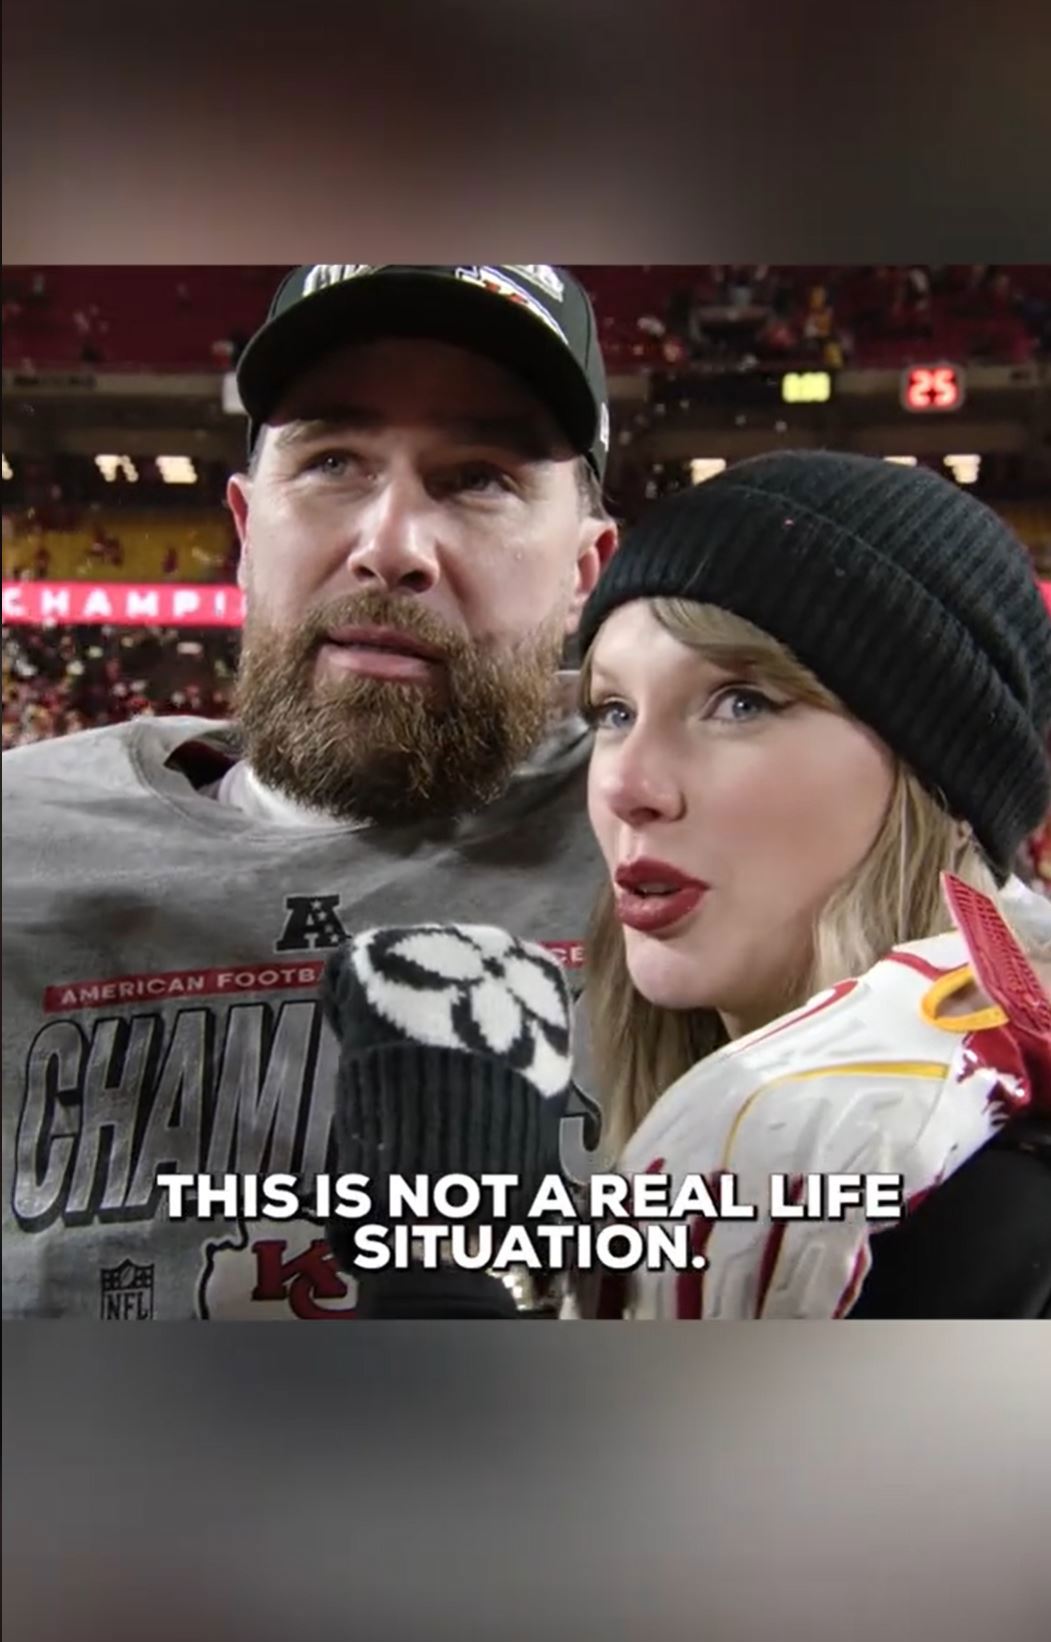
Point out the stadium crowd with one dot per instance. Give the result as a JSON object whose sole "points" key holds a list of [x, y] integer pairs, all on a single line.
{"points": [[741, 318], [732, 317], [57, 680]]}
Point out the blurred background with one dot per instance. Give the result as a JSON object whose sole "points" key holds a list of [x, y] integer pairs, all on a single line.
{"points": [[121, 424]]}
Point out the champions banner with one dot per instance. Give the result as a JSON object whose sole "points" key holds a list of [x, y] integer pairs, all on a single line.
{"points": [[122, 604], [141, 604]]}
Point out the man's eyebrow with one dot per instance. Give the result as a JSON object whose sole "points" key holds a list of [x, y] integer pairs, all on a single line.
{"points": [[303, 430], [518, 433]]}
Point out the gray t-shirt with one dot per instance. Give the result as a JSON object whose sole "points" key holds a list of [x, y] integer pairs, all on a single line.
{"points": [[161, 955]]}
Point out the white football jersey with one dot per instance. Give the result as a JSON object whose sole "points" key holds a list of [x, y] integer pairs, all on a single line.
{"points": [[870, 1077]]}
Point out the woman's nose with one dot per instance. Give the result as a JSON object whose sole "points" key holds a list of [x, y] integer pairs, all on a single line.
{"points": [[641, 786]]}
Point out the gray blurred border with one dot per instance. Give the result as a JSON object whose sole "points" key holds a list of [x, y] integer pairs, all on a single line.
{"points": [[585, 132], [582, 1481]]}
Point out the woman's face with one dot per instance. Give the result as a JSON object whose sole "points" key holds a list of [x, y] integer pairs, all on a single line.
{"points": [[727, 814]]}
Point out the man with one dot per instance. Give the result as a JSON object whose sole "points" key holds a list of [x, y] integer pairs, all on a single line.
{"points": [[420, 523]]}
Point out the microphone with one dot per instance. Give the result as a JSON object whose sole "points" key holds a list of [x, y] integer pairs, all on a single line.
{"points": [[455, 1058]]}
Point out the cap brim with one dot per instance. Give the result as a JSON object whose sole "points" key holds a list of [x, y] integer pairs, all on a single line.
{"points": [[435, 306]]}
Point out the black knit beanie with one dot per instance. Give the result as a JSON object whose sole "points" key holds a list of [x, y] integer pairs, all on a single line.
{"points": [[907, 597], [455, 1055]]}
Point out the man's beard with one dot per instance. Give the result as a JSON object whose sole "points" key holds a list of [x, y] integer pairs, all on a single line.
{"points": [[369, 749]]}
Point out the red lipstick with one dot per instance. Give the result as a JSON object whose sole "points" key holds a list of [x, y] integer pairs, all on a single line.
{"points": [[653, 895]]}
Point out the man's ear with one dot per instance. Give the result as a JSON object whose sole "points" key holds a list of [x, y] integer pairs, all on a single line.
{"points": [[599, 540], [238, 495]]}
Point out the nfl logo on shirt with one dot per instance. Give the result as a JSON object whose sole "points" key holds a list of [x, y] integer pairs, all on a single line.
{"points": [[126, 1293]]}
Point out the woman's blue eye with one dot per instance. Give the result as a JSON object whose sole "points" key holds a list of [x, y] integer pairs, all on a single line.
{"points": [[608, 715], [741, 704]]}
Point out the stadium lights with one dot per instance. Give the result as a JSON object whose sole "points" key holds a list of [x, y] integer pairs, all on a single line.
{"points": [[7, 473], [177, 470], [902, 461], [806, 387], [110, 466], [705, 467], [964, 469]]}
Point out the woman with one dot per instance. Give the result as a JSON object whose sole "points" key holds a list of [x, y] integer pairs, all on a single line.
{"points": [[818, 682]]}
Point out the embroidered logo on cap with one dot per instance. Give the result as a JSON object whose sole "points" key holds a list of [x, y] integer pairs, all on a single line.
{"points": [[324, 274], [540, 274], [493, 279]]}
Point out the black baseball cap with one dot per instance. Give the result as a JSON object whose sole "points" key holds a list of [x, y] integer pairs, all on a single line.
{"points": [[536, 321]]}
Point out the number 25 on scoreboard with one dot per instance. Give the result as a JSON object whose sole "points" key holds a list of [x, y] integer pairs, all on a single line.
{"points": [[932, 388]]}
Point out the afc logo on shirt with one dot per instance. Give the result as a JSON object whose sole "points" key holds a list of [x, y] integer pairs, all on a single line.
{"points": [[312, 923]]}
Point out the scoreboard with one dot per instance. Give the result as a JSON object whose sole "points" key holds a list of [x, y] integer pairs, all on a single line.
{"points": [[927, 388]]}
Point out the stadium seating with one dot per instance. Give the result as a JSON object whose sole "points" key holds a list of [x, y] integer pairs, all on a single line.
{"points": [[196, 319], [181, 545]]}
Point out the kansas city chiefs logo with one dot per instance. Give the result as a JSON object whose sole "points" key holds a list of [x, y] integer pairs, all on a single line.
{"points": [[274, 1271]]}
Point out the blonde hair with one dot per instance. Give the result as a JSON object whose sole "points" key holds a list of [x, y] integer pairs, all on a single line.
{"points": [[638, 1048]]}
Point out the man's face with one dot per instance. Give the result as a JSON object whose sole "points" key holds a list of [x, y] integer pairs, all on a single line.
{"points": [[414, 550]]}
